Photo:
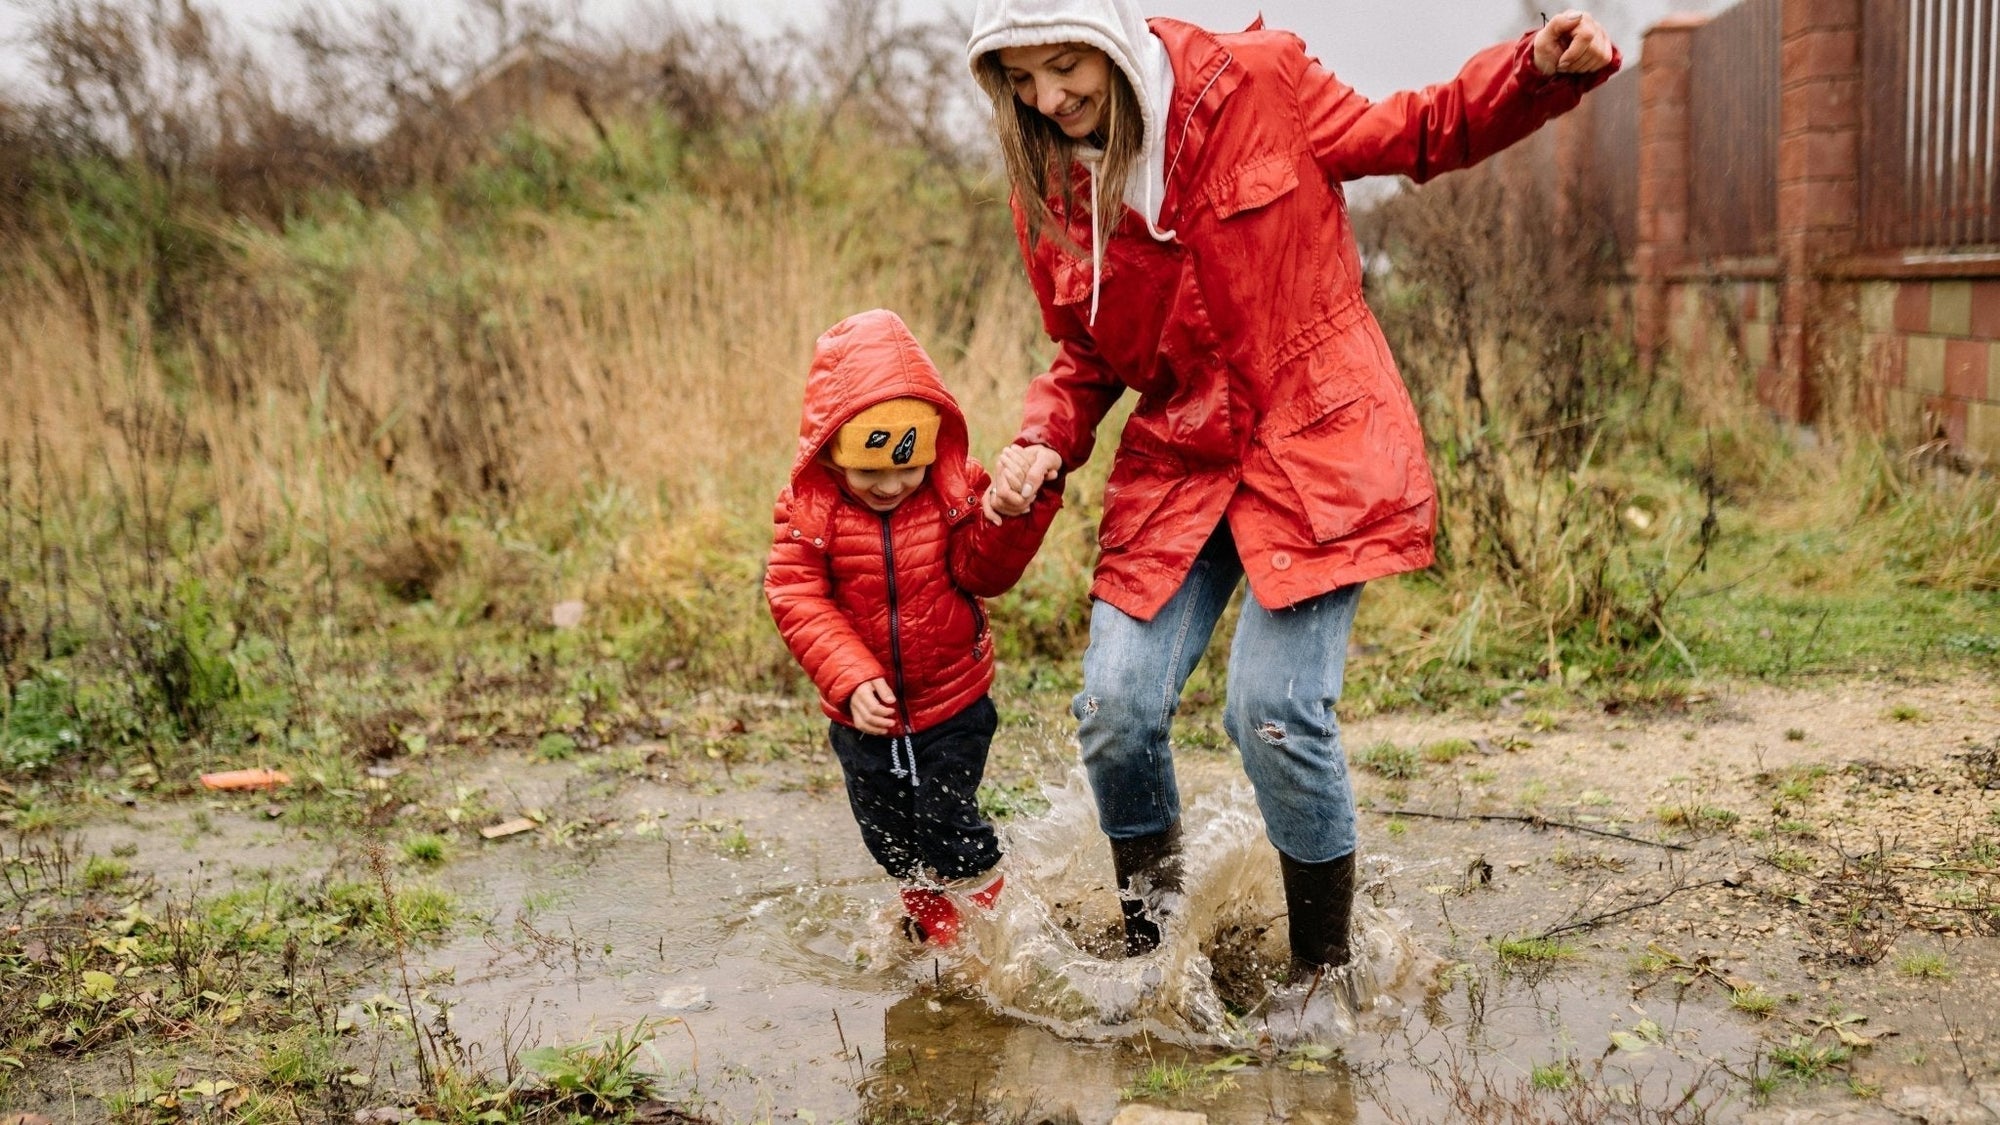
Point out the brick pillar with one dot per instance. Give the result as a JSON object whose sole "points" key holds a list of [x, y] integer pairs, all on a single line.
{"points": [[1663, 175], [1819, 183]]}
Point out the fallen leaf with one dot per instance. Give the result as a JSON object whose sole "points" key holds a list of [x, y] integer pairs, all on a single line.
{"points": [[1628, 1042]]}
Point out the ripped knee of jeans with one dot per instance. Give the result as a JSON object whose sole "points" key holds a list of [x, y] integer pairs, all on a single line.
{"points": [[1090, 705], [1271, 733]]}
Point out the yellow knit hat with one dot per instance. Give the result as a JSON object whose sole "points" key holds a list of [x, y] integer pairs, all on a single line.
{"points": [[898, 434]]}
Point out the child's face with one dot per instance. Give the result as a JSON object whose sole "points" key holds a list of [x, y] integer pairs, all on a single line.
{"points": [[882, 490]]}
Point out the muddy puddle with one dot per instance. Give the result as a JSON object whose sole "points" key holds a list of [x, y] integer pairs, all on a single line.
{"points": [[753, 932]]}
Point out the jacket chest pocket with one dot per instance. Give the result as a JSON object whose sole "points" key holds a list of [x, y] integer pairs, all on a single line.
{"points": [[1260, 248], [1259, 183]]}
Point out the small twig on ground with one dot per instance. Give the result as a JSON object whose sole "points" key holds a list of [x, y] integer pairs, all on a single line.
{"points": [[1532, 822], [1596, 920]]}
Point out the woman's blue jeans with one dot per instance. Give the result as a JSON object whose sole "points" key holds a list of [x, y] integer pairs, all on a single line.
{"points": [[1285, 672]]}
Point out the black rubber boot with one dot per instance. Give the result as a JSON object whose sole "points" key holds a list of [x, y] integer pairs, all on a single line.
{"points": [[1320, 899], [1149, 868]]}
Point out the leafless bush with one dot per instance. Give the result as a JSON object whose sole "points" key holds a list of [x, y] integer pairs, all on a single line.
{"points": [[1858, 909], [162, 84], [1492, 308]]}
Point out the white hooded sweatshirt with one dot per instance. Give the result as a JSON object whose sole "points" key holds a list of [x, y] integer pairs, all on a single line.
{"points": [[1116, 28]]}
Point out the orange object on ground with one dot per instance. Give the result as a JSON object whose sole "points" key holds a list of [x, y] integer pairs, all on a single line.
{"points": [[246, 779]]}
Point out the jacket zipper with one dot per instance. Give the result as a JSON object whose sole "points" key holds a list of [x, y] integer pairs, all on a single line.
{"points": [[895, 625]]}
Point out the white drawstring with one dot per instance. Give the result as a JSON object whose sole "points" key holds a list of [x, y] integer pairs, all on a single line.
{"points": [[903, 747], [1152, 225], [1096, 244], [1182, 145]]}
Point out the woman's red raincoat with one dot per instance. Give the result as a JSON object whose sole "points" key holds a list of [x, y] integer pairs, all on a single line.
{"points": [[1267, 392]]}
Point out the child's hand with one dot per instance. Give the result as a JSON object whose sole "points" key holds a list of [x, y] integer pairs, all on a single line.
{"points": [[1018, 474], [873, 707]]}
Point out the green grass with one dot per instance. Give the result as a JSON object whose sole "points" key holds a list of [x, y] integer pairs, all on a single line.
{"points": [[1398, 763], [1549, 1077], [102, 873], [1447, 750], [426, 849], [1791, 861], [1805, 1061], [1753, 1001], [1004, 802], [1924, 966], [595, 1080], [1527, 951], [1183, 1079]]}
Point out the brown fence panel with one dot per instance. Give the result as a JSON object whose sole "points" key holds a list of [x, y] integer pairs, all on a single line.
{"points": [[1733, 125], [1608, 187], [1930, 173]]}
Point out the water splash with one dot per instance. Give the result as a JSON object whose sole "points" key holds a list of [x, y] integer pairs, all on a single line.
{"points": [[1050, 954]]}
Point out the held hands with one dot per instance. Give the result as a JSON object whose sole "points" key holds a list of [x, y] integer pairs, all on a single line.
{"points": [[873, 707], [1572, 43], [1018, 475]]}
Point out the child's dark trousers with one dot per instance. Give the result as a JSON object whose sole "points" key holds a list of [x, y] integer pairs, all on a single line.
{"points": [[932, 820]]}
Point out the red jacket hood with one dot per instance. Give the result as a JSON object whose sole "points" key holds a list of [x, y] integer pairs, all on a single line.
{"points": [[868, 358]]}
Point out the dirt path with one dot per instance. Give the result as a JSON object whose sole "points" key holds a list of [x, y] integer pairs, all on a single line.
{"points": [[1830, 887]]}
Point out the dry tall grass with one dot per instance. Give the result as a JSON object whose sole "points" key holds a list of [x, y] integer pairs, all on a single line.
{"points": [[616, 324], [564, 365], [662, 354]]}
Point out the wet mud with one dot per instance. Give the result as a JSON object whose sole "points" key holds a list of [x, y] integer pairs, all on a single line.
{"points": [[1715, 888], [754, 930]]}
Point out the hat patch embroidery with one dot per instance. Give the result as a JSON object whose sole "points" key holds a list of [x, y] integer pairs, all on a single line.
{"points": [[905, 449]]}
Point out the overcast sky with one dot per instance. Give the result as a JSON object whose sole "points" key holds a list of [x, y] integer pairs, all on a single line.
{"points": [[1377, 46]]}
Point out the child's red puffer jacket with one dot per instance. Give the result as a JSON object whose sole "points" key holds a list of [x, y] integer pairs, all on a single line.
{"points": [[860, 595]]}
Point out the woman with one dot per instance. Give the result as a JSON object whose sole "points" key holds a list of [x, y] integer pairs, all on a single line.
{"points": [[1178, 202]]}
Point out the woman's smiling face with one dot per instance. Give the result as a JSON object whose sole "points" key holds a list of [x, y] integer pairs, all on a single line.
{"points": [[1068, 83]]}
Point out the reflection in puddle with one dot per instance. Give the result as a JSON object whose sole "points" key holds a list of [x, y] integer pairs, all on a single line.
{"points": [[793, 992]]}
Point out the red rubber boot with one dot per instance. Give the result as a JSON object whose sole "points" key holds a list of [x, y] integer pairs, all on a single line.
{"points": [[935, 919], [932, 918]]}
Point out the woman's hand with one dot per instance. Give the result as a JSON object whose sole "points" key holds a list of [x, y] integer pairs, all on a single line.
{"points": [[1572, 43], [873, 707], [1018, 475]]}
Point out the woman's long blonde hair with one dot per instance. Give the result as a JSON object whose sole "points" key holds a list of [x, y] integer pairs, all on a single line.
{"points": [[1037, 153]]}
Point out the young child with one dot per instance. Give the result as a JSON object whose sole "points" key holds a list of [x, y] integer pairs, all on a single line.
{"points": [[881, 556]]}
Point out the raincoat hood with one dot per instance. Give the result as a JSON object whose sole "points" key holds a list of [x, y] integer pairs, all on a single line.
{"points": [[1116, 28], [1112, 26], [868, 358]]}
